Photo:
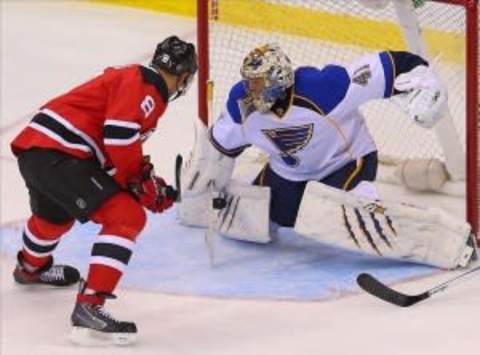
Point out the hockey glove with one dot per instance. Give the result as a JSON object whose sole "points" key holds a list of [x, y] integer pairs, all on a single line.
{"points": [[423, 97], [152, 191]]}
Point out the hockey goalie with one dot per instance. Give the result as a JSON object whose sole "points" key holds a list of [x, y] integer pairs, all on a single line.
{"points": [[321, 159]]}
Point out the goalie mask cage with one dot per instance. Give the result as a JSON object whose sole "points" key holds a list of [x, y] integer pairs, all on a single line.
{"points": [[314, 32]]}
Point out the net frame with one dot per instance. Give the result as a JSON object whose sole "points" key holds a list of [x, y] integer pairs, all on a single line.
{"points": [[206, 9]]}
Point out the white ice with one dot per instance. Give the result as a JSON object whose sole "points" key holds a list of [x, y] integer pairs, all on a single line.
{"points": [[48, 46]]}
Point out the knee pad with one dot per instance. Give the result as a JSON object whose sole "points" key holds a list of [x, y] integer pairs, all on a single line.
{"points": [[121, 215]]}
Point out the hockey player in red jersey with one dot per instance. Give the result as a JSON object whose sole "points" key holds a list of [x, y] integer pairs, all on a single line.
{"points": [[81, 158]]}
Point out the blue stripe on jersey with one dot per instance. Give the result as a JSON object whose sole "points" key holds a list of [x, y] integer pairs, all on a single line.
{"points": [[326, 87], [237, 92], [388, 71]]}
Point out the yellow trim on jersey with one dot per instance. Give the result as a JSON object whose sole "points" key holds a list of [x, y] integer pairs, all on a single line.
{"points": [[332, 122], [261, 179], [317, 108], [354, 174]]}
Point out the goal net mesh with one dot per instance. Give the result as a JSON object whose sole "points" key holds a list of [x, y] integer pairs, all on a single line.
{"points": [[320, 32]]}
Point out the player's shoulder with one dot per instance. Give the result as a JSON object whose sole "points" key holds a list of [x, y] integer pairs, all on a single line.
{"points": [[237, 91], [237, 94], [129, 71], [137, 77], [325, 87], [329, 73]]}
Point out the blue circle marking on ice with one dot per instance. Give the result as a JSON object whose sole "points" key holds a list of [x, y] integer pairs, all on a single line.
{"points": [[172, 258]]}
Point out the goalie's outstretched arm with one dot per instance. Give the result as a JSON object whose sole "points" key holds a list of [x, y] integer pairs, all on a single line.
{"points": [[406, 77], [404, 62], [417, 88]]}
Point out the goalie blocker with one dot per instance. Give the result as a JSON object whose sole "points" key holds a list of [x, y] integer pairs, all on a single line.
{"points": [[205, 177]]}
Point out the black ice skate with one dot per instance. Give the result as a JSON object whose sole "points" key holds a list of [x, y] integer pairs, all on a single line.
{"points": [[472, 242], [93, 325], [49, 274], [469, 257]]}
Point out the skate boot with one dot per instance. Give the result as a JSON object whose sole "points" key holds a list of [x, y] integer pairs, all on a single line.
{"points": [[94, 326], [469, 255], [472, 242], [49, 274]]}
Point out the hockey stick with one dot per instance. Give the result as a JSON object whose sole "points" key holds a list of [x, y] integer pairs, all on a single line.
{"points": [[175, 192], [218, 203], [178, 172], [378, 289], [210, 237]]}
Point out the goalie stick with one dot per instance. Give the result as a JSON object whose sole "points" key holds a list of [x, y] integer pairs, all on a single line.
{"points": [[378, 289], [218, 203]]}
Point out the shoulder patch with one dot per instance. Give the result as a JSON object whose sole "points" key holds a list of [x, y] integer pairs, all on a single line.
{"points": [[362, 75]]}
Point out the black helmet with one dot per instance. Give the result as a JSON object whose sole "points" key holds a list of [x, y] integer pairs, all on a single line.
{"points": [[176, 56]]}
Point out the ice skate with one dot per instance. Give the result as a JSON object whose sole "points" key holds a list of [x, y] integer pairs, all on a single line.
{"points": [[474, 259], [49, 274], [94, 326]]}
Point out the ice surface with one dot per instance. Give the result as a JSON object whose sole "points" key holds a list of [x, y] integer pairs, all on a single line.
{"points": [[48, 46]]}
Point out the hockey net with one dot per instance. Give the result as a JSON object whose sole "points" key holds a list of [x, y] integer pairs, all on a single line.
{"points": [[338, 31]]}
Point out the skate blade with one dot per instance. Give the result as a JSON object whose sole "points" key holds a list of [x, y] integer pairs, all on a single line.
{"points": [[90, 337]]}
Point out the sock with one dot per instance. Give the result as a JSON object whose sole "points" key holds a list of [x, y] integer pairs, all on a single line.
{"points": [[40, 238]]}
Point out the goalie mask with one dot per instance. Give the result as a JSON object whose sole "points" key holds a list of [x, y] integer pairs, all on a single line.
{"points": [[177, 57], [267, 73]]}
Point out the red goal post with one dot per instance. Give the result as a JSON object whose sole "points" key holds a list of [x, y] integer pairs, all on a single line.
{"points": [[227, 30]]}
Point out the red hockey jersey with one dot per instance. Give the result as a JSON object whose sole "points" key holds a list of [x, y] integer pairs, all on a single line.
{"points": [[106, 118]]}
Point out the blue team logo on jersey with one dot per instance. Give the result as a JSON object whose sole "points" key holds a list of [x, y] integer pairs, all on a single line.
{"points": [[290, 140]]}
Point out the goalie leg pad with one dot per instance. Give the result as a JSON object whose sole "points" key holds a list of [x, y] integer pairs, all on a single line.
{"points": [[422, 174], [246, 214], [193, 209], [244, 217], [384, 228]]}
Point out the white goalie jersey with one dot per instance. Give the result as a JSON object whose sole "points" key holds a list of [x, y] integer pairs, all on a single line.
{"points": [[321, 129], [318, 131]]}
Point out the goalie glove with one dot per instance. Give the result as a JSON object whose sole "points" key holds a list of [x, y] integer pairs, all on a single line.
{"points": [[422, 96]]}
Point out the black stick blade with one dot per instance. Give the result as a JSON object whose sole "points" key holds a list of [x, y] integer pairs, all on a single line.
{"points": [[376, 288]]}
